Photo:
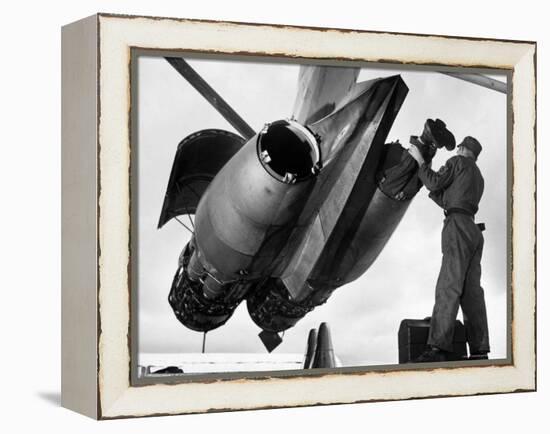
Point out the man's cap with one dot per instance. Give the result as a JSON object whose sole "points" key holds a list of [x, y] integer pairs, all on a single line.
{"points": [[472, 144]]}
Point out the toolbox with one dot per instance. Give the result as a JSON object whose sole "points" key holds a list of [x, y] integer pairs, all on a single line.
{"points": [[413, 337]]}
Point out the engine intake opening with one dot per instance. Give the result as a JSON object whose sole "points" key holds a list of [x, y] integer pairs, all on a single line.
{"points": [[289, 151]]}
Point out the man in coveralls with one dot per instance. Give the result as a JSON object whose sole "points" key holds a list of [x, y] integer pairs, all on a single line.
{"points": [[457, 188]]}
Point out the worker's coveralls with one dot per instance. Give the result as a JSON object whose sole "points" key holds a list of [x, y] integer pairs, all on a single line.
{"points": [[457, 188]]}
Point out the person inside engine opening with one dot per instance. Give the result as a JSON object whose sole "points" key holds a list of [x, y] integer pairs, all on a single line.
{"points": [[457, 187]]}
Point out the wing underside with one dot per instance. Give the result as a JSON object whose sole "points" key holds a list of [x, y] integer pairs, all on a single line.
{"points": [[352, 139]]}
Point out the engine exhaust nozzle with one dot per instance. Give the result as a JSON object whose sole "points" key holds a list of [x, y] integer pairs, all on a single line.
{"points": [[289, 151]]}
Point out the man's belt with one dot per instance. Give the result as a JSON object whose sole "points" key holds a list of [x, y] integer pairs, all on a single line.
{"points": [[450, 211], [447, 212]]}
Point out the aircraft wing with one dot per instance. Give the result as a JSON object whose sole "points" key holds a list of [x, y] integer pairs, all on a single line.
{"points": [[352, 138], [320, 90]]}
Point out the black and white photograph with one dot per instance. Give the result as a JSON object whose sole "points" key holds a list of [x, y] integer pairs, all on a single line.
{"points": [[289, 215], [275, 217]]}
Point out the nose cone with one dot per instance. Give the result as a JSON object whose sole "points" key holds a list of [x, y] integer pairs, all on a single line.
{"points": [[324, 353]]}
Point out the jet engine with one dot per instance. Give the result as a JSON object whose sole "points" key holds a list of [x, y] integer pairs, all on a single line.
{"points": [[242, 222]]}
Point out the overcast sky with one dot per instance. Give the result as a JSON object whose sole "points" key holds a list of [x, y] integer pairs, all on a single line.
{"points": [[364, 316]]}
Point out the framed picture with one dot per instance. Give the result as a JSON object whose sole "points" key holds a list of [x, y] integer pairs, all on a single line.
{"points": [[260, 216]]}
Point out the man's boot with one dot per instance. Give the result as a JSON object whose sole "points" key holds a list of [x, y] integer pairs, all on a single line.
{"points": [[478, 356], [432, 354]]}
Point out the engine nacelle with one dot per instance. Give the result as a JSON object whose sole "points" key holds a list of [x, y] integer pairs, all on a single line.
{"points": [[249, 210], [242, 222], [397, 184]]}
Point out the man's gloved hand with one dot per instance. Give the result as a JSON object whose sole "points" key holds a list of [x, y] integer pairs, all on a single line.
{"points": [[436, 134], [416, 154]]}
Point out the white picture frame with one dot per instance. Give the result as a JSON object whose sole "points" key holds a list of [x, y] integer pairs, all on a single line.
{"points": [[96, 160]]}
